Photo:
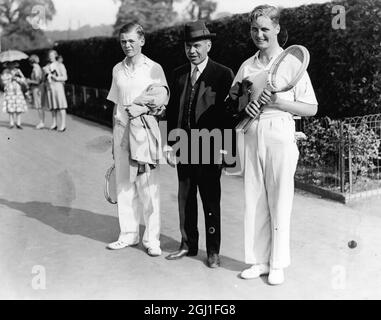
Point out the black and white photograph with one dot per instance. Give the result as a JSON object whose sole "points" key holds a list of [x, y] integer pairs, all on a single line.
{"points": [[190, 155]]}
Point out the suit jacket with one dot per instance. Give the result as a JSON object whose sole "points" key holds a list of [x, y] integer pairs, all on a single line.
{"points": [[210, 111]]}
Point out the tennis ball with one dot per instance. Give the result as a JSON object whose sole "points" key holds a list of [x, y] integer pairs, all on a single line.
{"points": [[352, 244]]}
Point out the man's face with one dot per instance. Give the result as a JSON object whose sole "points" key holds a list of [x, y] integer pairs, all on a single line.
{"points": [[131, 43], [197, 51]]}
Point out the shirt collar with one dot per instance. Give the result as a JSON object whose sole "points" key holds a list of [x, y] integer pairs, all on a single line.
{"points": [[201, 67], [143, 61], [256, 57]]}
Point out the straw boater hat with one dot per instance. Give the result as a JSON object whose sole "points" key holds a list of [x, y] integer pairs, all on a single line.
{"points": [[197, 31]]}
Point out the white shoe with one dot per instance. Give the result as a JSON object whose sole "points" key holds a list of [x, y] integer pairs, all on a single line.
{"points": [[120, 244], [154, 251], [276, 276], [255, 271], [40, 126]]}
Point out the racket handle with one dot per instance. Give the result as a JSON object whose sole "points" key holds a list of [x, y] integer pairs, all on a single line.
{"points": [[250, 121]]}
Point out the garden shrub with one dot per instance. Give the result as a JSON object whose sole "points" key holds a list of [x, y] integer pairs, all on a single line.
{"points": [[344, 67], [321, 149]]}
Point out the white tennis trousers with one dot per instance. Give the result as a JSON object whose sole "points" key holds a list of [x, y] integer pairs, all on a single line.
{"points": [[136, 198], [271, 156]]}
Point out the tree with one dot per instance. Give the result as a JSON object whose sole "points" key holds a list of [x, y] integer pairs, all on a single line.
{"points": [[223, 14], [201, 9], [20, 22], [151, 14]]}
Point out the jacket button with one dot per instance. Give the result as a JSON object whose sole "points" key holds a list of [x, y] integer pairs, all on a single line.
{"points": [[212, 230]]}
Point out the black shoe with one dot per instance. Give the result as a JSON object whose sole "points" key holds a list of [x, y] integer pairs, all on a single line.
{"points": [[213, 260], [54, 128], [11, 126], [18, 127], [181, 253], [63, 130]]}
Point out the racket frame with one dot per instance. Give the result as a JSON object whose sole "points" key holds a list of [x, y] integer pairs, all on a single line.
{"points": [[108, 174], [272, 71]]}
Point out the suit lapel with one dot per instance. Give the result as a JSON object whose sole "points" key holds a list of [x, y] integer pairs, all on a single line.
{"points": [[205, 76], [183, 83]]}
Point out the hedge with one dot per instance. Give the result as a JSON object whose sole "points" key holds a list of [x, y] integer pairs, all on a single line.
{"points": [[344, 67]]}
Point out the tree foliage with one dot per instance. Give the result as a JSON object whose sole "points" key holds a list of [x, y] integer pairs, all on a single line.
{"points": [[359, 142], [16, 22], [201, 9], [151, 14], [344, 66]]}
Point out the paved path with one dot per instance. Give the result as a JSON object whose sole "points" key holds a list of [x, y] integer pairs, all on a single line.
{"points": [[53, 215]]}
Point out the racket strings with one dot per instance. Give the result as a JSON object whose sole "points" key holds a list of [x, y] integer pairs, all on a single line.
{"points": [[288, 70], [297, 53]]}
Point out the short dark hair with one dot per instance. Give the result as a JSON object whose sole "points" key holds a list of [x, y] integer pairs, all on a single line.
{"points": [[271, 12], [132, 26]]}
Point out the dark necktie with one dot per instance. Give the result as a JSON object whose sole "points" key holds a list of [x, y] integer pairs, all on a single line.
{"points": [[194, 76]]}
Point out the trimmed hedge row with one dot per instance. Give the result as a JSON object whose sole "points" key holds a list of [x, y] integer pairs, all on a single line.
{"points": [[344, 67]]}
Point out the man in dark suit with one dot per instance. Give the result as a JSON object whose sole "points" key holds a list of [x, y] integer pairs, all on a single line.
{"points": [[198, 90]]}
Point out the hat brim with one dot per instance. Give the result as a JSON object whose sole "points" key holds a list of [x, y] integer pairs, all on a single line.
{"points": [[201, 37]]}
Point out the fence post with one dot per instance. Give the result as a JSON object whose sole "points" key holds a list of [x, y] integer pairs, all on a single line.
{"points": [[84, 95], [73, 94], [350, 167], [341, 157]]}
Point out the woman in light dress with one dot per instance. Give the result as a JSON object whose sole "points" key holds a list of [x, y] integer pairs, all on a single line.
{"points": [[54, 98]]}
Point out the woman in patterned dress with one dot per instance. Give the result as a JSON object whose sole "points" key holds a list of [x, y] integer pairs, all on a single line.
{"points": [[14, 102]]}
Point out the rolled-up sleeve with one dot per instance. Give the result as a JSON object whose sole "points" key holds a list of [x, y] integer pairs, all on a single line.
{"points": [[304, 92], [158, 75], [113, 95]]}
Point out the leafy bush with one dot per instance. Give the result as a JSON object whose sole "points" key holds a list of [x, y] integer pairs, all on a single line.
{"points": [[322, 148], [363, 144], [344, 66]]}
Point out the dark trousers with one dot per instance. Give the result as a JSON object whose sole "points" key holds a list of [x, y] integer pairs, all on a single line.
{"points": [[205, 177]]}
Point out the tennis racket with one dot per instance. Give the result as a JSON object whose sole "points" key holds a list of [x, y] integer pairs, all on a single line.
{"points": [[110, 185], [286, 71]]}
